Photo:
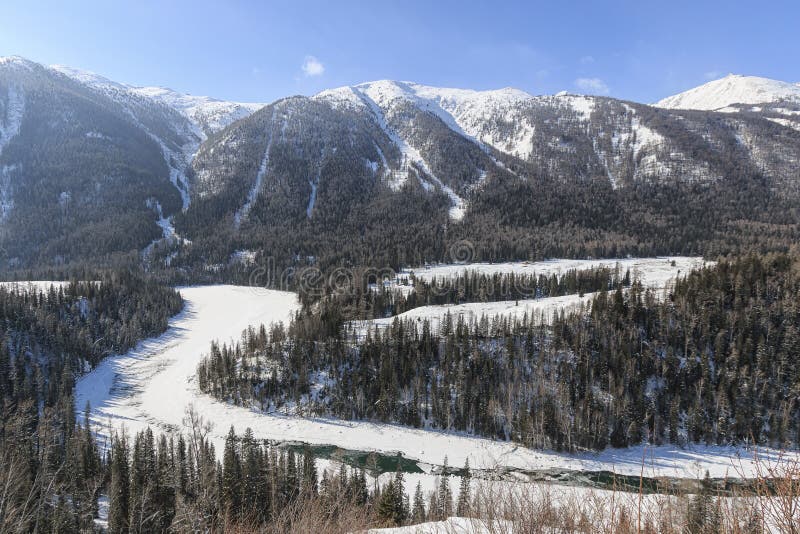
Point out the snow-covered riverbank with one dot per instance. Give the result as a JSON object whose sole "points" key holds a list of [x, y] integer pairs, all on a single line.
{"points": [[153, 384]]}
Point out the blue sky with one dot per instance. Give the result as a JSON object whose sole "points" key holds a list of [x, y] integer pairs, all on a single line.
{"points": [[261, 51]]}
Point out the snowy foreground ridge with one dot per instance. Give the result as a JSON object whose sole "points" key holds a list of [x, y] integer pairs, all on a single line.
{"points": [[153, 384]]}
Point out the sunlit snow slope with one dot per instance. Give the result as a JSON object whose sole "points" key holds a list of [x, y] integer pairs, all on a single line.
{"points": [[733, 89]]}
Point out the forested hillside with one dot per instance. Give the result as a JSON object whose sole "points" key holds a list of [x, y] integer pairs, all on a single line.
{"points": [[80, 177], [51, 471], [712, 362], [409, 171]]}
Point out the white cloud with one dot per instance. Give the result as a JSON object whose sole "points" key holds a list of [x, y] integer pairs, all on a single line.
{"points": [[712, 75], [594, 86], [312, 66], [586, 60]]}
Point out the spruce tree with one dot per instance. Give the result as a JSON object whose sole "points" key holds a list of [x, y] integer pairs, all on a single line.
{"points": [[462, 508], [231, 476], [387, 505], [309, 483], [400, 505], [119, 488], [444, 499], [418, 510]]}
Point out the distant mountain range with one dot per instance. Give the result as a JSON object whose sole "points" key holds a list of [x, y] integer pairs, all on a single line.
{"points": [[97, 171]]}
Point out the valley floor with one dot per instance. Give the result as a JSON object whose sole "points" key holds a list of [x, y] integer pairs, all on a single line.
{"points": [[153, 385]]}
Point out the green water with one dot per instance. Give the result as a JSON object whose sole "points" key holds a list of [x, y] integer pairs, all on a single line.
{"points": [[371, 461], [379, 463]]}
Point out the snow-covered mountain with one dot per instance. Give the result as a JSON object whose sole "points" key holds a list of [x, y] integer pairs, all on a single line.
{"points": [[207, 114], [82, 168], [173, 131], [776, 101], [325, 161], [465, 111], [189, 119], [563, 135], [429, 156], [723, 94]]}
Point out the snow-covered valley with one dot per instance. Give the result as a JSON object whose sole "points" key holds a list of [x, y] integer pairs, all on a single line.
{"points": [[154, 384]]}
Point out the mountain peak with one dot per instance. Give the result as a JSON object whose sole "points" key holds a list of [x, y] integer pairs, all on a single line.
{"points": [[16, 61], [384, 91], [730, 90], [89, 78], [12, 59], [207, 113]]}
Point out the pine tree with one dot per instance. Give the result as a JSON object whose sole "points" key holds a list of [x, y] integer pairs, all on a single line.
{"points": [[292, 480], [182, 467], [386, 508], [252, 484], [119, 489], [309, 483], [702, 514], [462, 509], [400, 504], [444, 499], [358, 487], [418, 510], [231, 476], [164, 485], [433, 506]]}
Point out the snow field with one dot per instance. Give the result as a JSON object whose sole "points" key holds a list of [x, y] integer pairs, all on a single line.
{"points": [[656, 273], [653, 272], [539, 311]]}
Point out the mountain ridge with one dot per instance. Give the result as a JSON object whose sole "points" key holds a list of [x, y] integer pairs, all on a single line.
{"points": [[207, 113], [443, 161], [757, 83]]}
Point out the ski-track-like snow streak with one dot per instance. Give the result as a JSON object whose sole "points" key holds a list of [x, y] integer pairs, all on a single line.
{"points": [[262, 171], [15, 109], [9, 128], [412, 154], [313, 199], [177, 171]]}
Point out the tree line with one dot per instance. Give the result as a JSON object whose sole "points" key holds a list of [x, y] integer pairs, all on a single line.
{"points": [[180, 483], [381, 300]]}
